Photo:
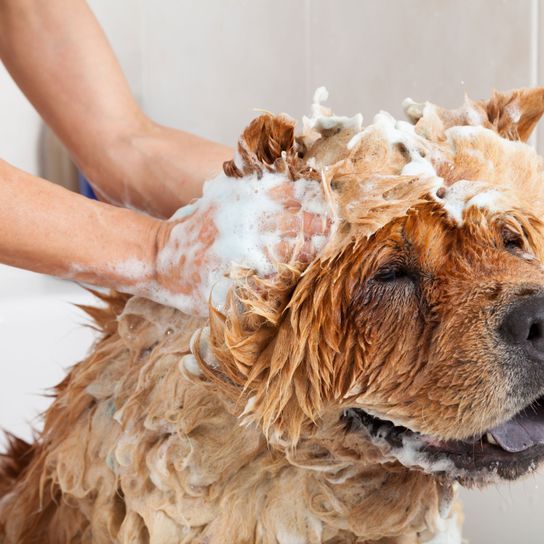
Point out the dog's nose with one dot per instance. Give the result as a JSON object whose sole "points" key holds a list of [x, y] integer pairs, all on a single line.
{"points": [[523, 326]]}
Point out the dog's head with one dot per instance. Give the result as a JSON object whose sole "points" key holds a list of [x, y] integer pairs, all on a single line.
{"points": [[419, 329]]}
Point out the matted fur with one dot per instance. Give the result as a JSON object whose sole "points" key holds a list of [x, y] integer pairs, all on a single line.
{"points": [[228, 429]]}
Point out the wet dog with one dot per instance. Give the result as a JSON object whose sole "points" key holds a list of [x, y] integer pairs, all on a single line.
{"points": [[335, 401]]}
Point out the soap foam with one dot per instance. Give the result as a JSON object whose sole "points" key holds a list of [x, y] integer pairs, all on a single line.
{"points": [[464, 194], [401, 132], [242, 212], [323, 119]]}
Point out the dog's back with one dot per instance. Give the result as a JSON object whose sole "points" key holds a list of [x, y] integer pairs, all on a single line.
{"points": [[32, 508], [131, 444]]}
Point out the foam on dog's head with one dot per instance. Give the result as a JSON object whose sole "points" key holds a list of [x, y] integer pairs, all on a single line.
{"points": [[478, 142]]}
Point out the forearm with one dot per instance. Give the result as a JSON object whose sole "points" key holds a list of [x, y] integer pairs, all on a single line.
{"points": [[59, 56], [48, 229]]}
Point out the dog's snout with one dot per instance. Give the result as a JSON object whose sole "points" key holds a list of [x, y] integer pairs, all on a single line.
{"points": [[523, 326]]}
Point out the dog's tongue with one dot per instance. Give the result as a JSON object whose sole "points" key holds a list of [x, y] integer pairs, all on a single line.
{"points": [[522, 431]]}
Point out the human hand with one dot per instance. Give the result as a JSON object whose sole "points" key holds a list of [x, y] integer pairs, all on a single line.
{"points": [[249, 223]]}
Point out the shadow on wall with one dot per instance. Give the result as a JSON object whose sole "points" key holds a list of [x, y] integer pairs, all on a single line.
{"points": [[54, 161]]}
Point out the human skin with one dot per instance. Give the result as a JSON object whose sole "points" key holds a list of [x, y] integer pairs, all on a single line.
{"points": [[45, 228], [59, 56]]}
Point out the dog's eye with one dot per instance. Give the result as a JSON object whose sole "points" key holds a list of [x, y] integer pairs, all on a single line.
{"points": [[389, 274], [512, 240]]}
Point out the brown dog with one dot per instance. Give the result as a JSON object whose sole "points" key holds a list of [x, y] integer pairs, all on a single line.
{"points": [[333, 402]]}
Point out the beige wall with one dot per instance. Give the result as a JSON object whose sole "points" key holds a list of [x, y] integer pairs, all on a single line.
{"points": [[203, 65], [206, 64]]}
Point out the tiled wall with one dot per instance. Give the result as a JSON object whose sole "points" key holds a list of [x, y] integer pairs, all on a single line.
{"points": [[204, 65]]}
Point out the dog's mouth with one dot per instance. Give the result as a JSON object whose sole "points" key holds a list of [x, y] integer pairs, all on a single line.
{"points": [[507, 451]]}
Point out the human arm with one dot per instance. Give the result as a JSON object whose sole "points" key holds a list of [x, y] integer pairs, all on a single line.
{"points": [[48, 229], [59, 56]]}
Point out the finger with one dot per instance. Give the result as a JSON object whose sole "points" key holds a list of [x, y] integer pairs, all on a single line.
{"points": [[306, 252], [284, 194], [208, 233], [315, 224], [285, 224], [283, 251]]}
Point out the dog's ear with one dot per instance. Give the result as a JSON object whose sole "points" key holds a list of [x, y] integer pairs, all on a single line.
{"points": [[274, 352], [268, 140], [515, 114]]}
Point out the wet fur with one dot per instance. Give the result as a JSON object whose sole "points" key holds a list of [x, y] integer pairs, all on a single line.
{"points": [[136, 448]]}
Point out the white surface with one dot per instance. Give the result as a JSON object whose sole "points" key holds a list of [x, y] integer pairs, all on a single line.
{"points": [[41, 335], [510, 513], [20, 126]]}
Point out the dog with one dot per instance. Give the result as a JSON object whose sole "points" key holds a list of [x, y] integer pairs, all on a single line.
{"points": [[339, 400]]}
